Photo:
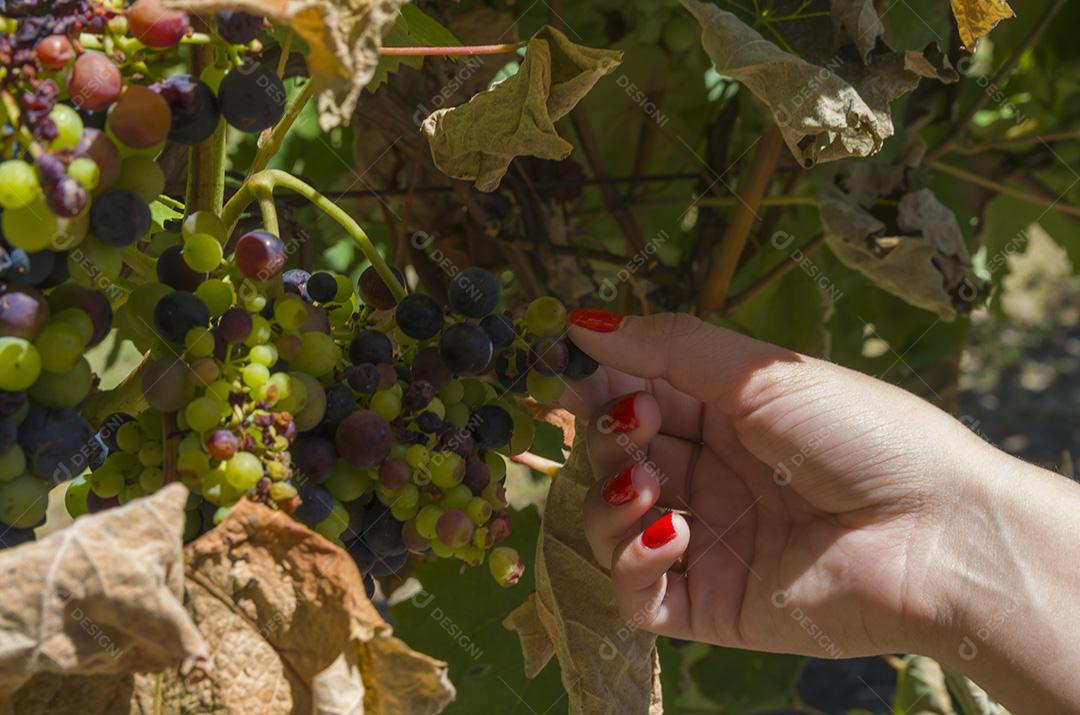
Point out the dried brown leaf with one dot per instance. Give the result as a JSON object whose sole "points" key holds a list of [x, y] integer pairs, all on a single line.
{"points": [[825, 113], [101, 597], [343, 38], [858, 21], [536, 645], [607, 665], [477, 140], [976, 18]]}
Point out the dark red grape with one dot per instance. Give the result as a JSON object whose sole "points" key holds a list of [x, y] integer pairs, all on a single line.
{"points": [[322, 287], [260, 255], [374, 292], [222, 444], [512, 371], [417, 396], [314, 458], [419, 317], [92, 302], [454, 528], [296, 280], [491, 426], [473, 293], [427, 365], [477, 475], [235, 325], [56, 443], [550, 356], [140, 118], [97, 146], [155, 25], [177, 313], [370, 346], [66, 198], [580, 365], [465, 348], [55, 52], [23, 311], [363, 378], [340, 402], [195, 111], [252, 97], [316, 503], [173, 270], [394, 473], [95, 82], [363, 439], [237, 27], [382, 532], [501, 331], [119, 218]]}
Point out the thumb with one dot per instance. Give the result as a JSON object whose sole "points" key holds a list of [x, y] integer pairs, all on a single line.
{"points": [[698, 358]]}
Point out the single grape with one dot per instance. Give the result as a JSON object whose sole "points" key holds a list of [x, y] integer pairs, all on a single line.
{"points": [[473, 292], [119, 218], [63, 389], [243, 471], [194, 108], [140, 118], [374, 292], [382, 533], [55, 52], [386, 404], [252, 97], [55, 443], [465, 349], [318, 356], [371, 346], [491, 426], [545, 316], [204, 222], [419, 317], [454, 528], [260, 255], [505, 565], [60, 347], [316, 504], [69, 127], [202, 253], [143, 177], [579, 366], [295, 281], [255, 375], [85, 170], [238, 28], [235, 325], [30, 227], [95, 82], [550, 356], [91, 302], [202, 413], [217, 294], [23, 501], [156, 26], [446, 469], [177, 313], [166, 384], [97, 146], [12, 463], [478, 510], [501, 331], [314, 458], [363, 439], [544, 389], [290, 312], [24, 312], [20, 364], [322, 287], [18, 184]]}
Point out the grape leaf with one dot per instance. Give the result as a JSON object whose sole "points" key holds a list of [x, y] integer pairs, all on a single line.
{"points": [[920, 688], [343, 38], [425, 29], [826, 112], [976, 18], [478, 140], [607, 665], [859, 22], [751, 681], [102, 597]]}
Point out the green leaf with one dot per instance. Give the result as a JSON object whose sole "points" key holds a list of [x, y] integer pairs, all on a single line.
{"points": [[458, 618], [740, 681], [426, 30], [920, 688], [397, 36]]}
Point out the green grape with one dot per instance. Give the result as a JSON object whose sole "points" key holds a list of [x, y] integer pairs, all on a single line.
{"points": [[129, 437], [190, 443], [265, 355], [219, 390], [151, 454], [332, 526], [260, 331], [521, 438], [473, 394], [436, 406], [142, 176], [452, 393], [505, 565], [193, 464], [20, 364], [64, 389], [545, 390], [480, 537], [440, 549], [496, 464], [202, 252], [347, 483], [403, 512], [106, 481], [344, 289], [478, 510], [409, 497], [202, 413], [340, 316], [75, 496], [290, 311], [416, 455], [426, 519], [222, 513], [253, 302], [12, 463], [151, 479], [217, 294], [318, 355], [69, 127], [255, 375], [131, 492], [150, 422], [243, 471], [204, 222], [79, 320], [86, 171], [457, 414], [23, 501], [59, 346], [276, 389], [18, 184], [30, 227], [456, 497], [282, 491], [93, 263], [447, 469], [470, 554], [545, 316], [199, 342], [70, 232], [204, 371], [386, 404]]}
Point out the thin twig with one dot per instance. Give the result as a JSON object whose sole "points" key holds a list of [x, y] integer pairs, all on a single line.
{"points": [[752, 189], [455, 50], [959, 128], [1048, 138], [774, 274], [1043, 201]]}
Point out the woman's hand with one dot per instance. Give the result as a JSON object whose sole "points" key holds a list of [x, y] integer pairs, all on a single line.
{"points": [[817, 510]]}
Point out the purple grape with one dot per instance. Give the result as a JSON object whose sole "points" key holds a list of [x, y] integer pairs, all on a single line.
{"points": [[550, 355], [235, 325], [92, 302], [501, 331], [314, 457], [579, 366], [418, 395], [56, 443], [177, 313], [473, 293], [363, 439], [252, 98], [363, 378], [322, 287], [419, 317], [238, 28], [427, 365], [195, 112], [173, 270], [23, 311], [296, 280], [465, 349], [374, 292], [119, 218], [394, 473], [382, 533], [491, 426], [371, 346], [260, 255], [316, 503]]}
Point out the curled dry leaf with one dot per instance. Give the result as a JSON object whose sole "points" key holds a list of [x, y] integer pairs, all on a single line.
{"points": [[922, 258], [477, 140], [289, 626], [343, 38], [102, 597], [976, 18], [858, 22], [921, 688], [826, 112], [607, 665]]}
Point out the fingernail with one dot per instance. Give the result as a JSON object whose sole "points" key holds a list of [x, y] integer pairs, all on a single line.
{"points": [[598, 321], [620, 489], [661, 532], [623, 415]]}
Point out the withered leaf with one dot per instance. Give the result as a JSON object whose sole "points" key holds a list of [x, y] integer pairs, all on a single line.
{"points": [[477, 140], [976, 18], [289, 626], [101, 597], [607, 665], [921, 689], [826, 112], [858, 21], [922, 259], [343, 38]]}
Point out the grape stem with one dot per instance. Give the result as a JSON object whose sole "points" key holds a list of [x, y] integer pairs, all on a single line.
{"points": [[265, 196], [452, 50], [271, 140], [129, 45], [270, 179]]}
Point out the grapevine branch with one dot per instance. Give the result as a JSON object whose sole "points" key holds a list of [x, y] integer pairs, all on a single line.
{"points": [[1045, 202], [776, 273], [453, 50]]}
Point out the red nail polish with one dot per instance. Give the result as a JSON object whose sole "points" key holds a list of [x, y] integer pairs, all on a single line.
{"points": [[620, 489], [661, 532], [623, 415], [598, 321]]}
